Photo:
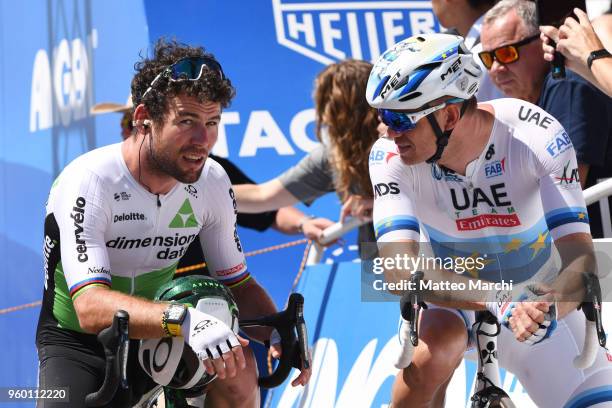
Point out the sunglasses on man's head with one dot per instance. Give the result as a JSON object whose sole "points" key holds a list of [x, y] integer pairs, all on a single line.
{"points": [[187, 69], [506, 54]]}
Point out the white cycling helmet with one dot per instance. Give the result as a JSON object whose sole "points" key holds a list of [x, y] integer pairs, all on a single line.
{"points": [[421, 69], [418, 71]]}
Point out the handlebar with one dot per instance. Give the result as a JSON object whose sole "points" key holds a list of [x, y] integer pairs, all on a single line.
{"points": [[295, 348], [116, 342], [594, 331], [411, 304]]}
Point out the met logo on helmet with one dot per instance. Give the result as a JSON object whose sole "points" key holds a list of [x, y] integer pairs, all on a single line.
{"points": [[328, 31], [452, 69]]}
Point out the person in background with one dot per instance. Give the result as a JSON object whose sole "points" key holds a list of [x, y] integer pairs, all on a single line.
{"points": [[464, 18], [585, 46], [288, 220], [512, 52], [347, 129]]}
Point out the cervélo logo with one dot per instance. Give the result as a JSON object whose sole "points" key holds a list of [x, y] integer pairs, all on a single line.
{"points": [[78, 215], [328, 31]]}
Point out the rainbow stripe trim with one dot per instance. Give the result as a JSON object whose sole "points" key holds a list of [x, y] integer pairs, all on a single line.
{"points": [[98, 281], [236, 281]]}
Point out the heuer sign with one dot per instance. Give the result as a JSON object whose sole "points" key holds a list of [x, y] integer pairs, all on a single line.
{"points": [[328, 31]]}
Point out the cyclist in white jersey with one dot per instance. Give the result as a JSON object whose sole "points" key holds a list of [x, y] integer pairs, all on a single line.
{"points": [[120, 217], [500, 179]]}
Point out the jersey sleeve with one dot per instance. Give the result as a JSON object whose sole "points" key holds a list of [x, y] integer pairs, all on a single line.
{"points": [[557, 168], [82, 216], [310, 178], [219, 238], [394, 212]]}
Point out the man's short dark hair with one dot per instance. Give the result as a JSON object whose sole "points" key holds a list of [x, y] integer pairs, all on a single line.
{"points": [[209, 88], [475, 4]]}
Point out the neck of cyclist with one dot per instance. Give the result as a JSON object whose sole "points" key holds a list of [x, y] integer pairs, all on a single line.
{"points": [[137, 153], [469, 138]]}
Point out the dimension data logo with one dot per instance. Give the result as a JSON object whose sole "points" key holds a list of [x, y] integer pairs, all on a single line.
{"points": [[328, 31]]}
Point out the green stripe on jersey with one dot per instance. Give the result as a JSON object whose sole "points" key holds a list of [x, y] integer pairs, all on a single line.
{"points": [[145, 285]]}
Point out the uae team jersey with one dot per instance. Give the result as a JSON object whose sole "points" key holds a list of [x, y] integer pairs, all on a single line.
{"points": [[102, 227], [519, 195]]}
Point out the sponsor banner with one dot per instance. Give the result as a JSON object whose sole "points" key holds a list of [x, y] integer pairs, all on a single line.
{"points": [[330, 31]]}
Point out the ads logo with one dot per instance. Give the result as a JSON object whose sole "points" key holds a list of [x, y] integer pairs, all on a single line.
{"points": [[328, 31], [382, 189]]}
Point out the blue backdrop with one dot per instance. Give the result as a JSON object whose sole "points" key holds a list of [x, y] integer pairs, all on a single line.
{"points": [[60, 57]]}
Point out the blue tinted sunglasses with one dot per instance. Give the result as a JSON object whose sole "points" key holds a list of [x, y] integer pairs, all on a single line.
{"points": [[402, 121], [187, 69]]}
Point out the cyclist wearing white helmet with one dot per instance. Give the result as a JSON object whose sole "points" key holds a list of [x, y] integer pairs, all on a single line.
{"points": [[490, 181]]}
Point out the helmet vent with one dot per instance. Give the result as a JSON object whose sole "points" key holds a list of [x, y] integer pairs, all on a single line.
{"points": [[429, 66], [421, 39], [467, 71], [410, 96], [381, 85], [402, 83]]}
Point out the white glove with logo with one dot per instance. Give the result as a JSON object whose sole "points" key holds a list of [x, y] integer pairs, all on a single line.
{"points": [[208, 336], [501, 304]]}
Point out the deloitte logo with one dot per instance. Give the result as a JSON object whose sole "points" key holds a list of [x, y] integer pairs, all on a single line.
{"points": [[184, 218]]}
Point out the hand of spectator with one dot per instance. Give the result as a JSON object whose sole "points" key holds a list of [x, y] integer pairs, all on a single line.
{"points": [[313, 228], [357, 206], [574, 39]]}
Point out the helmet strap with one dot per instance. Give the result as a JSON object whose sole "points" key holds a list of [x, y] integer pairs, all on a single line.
{"points": [[442, 137]]}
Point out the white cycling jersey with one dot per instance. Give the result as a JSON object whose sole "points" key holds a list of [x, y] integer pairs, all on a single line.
{"points": [[102, 227], [521, 192]]}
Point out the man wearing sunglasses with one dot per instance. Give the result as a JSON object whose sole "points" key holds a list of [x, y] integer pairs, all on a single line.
{"points": [[512, 53], [118, 220], [473, 181]]}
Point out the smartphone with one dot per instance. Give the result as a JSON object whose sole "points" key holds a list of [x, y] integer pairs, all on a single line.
{"points": [[554, 12]]}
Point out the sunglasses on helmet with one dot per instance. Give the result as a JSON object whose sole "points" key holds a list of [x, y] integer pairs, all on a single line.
{"points": [[505, 54], [187, 69]]}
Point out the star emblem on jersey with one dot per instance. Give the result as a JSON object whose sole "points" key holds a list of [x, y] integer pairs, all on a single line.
{"points": [[539, 244], [184, 218]]}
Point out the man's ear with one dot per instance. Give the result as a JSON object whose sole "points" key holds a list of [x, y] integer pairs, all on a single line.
{"points": [[141, 119], [453, 114]]}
